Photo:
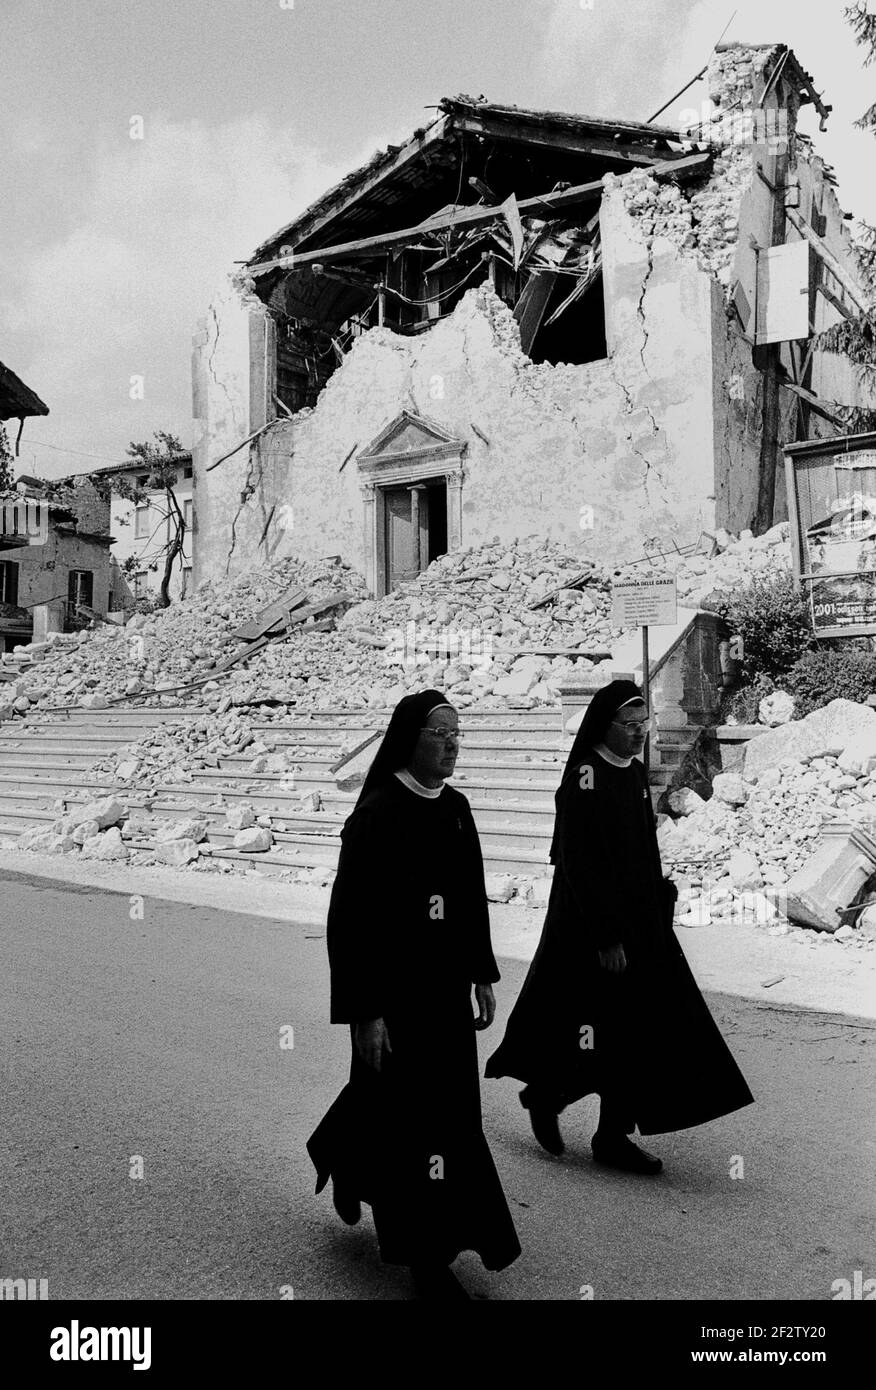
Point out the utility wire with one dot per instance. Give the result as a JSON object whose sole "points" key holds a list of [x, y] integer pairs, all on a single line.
{"points": [[700, 74], [63, 449]]}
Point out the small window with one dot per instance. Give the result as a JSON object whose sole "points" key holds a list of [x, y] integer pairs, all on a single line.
{"points": [[9, 582], [139, 583], [141, 521], [186, 581], [187, 472], [187, 513], [80, 588]]}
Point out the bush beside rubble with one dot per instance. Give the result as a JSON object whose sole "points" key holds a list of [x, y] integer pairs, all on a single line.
{"points": [[821, 676], [772, 621]]}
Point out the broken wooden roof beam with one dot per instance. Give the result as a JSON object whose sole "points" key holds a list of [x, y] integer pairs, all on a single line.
{"points": [[550, 203], [611, 145]]}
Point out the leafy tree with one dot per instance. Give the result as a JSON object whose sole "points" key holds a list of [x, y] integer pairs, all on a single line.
{"points": [[856, 338], [158, 464], [6, 475]]}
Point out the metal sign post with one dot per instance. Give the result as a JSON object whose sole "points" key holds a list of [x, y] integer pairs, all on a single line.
{"points": [[646, 691], [643, 603]]}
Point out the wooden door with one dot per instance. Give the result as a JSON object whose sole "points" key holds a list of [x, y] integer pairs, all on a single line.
{"points": [[402, 551]]}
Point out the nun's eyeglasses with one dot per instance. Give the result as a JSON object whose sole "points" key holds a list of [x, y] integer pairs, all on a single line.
{"points": [[632, 723], [448, 735]]}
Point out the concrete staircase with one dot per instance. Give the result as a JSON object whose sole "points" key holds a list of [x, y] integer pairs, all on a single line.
{"points": [[509, 768]]}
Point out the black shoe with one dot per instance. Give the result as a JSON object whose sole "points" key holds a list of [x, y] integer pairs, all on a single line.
{"points": [[544, 1124], [622, 1153], [437, 1284], [346, 1204]]}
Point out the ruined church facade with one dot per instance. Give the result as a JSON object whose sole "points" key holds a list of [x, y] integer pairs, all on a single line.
{"points": [[524, 322]]}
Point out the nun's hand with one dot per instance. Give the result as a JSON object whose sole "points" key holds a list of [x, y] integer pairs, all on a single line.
{"points": [[372, 1041], [613, 959], [486, 1002]]}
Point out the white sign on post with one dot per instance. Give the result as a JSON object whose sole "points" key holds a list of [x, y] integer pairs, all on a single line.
{"points": [[644, 602]]}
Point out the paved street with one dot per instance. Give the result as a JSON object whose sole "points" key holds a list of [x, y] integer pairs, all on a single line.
{"points": [[160, 1038]]}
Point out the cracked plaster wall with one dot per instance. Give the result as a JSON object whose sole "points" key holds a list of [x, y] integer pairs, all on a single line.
{"points": [[711, 228], [627, 436], [661, 439], [222, 410]]}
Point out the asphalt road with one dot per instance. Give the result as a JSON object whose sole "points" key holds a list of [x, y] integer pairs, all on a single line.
{"points": [[160, 1039]]}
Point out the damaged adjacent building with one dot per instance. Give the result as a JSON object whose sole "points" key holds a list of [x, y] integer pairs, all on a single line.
{"points": [[528, 322], [57, 572], [143, 531]]}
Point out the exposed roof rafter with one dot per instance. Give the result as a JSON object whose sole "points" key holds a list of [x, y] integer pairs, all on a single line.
{"points": [[548, 204]]}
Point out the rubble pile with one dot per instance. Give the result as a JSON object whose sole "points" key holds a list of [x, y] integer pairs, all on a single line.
{"points": [[734, 854], [173, 751], [466, 624], [737, 561], [114, 829], [154, 653]]}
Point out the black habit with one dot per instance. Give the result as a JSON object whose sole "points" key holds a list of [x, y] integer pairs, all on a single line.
{"points": [[408, 935], [645, 1036]]}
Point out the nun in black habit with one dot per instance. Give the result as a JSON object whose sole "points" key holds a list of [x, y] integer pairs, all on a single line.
{"points": [[609, 1004], [408, 937]]}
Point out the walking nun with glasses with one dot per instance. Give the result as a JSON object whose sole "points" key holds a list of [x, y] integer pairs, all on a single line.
{"points": [[609, 1004], [408, 940]]}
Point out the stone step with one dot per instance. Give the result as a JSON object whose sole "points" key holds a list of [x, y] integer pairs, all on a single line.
{"points": [[522, 817], [328, 718], [306, 855], [669, 757], [539, 759], [499, 779], [12, 783], [266, 790], [207, 784], [495, 833], [54, 761], [53, 736], [501, 854], [480, 737], [13, 819], [153, 714]]}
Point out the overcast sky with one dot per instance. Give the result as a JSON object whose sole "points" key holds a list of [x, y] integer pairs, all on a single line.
{"points": [[110, 248]]}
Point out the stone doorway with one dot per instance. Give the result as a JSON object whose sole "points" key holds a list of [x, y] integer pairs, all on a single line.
{"points": [[411, 478]]}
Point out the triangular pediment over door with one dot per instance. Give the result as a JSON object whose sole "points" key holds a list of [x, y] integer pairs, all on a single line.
{"points": [[408, 435]]}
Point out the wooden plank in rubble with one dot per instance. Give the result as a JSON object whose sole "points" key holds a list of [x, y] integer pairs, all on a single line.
{"points": [[575, 583], [245, 652], [256, 627], [310, 610], [287, 621]]}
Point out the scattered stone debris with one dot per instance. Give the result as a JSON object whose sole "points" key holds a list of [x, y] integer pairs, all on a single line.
{"points": [[739, 854], [467, 623]]}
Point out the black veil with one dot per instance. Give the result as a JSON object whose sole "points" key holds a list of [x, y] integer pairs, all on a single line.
{"points": [[600, 712]]}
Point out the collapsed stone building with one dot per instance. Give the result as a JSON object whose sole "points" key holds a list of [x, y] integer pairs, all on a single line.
{"points": [[524, 322]]}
